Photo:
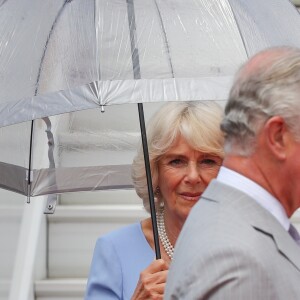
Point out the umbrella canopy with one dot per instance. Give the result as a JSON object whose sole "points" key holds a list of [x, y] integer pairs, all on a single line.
{"points": [[60, 57]]}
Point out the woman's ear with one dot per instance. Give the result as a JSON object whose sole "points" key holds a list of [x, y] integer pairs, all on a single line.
{"points": [[277, 136]]}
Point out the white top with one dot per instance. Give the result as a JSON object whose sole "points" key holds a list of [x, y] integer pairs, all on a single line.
{"points": [[255, 191]]}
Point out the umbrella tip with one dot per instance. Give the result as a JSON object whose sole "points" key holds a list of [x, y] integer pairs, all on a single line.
{"points": [[102, 109]]}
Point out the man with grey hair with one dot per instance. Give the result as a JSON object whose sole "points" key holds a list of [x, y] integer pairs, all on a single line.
{"points": [[238, 242]]}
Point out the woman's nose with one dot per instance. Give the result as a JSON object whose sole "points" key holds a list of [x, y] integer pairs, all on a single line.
{"points": [[193, 173]]}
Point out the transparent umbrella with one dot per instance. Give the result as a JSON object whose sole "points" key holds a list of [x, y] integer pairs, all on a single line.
{"points": [[58, 58]]}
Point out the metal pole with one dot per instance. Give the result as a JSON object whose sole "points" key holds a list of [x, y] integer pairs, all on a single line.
{"points": [[149, 180], [137, 76]]}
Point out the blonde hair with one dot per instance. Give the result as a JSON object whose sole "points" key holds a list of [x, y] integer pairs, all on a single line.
{"points": [[197, 122]]}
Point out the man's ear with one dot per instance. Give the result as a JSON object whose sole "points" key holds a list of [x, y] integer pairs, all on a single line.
{"points": [[276, 135]]}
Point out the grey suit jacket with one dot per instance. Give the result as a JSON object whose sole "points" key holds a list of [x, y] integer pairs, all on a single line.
{"points": [[232, 248]]}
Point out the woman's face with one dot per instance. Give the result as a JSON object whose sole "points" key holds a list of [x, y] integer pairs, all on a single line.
{"points": [[183, 175]]}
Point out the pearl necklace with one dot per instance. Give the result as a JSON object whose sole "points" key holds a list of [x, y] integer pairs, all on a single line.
{"points": [[163, 235]]}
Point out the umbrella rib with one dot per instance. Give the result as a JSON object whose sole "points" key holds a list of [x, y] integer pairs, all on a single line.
{"points": [[29, 163], [238, 27], [36, 92], [165, 38], [47, 42]]}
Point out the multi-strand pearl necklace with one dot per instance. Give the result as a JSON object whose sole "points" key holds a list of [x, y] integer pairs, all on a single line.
{"points": [[163, 235]]}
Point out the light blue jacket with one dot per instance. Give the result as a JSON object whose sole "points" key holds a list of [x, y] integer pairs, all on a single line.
{"points": [[119, 257]]}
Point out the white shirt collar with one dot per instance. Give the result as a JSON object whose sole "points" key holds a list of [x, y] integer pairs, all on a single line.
{"points": [[255, 191]]}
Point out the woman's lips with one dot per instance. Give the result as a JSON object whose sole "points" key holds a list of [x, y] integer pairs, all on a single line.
{"points": [[191, 196]]}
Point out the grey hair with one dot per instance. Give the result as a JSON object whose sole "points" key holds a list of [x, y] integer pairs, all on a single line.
{"points": [[199, 124], [270, 89]]}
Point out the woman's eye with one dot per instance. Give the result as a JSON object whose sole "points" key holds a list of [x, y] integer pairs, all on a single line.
{"points": [[208, 162], [176, 162]]}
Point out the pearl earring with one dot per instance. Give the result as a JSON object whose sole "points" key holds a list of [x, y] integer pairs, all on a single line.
{"points": [[156, 195]]}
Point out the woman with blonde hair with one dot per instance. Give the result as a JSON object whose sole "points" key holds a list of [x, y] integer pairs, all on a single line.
{"points": [[185, 147]]}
